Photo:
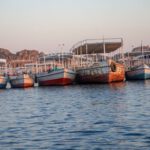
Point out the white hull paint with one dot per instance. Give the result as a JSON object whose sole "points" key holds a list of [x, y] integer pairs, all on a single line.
{"points": [[57, 77], [21, 81]]}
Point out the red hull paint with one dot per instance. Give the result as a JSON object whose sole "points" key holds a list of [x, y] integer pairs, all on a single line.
{"points": [[61, 81]]}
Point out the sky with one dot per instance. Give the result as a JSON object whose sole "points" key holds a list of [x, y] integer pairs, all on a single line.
{"points": [[52, 25]]}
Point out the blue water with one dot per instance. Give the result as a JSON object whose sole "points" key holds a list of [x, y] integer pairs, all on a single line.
{"points": [[84, 117]]}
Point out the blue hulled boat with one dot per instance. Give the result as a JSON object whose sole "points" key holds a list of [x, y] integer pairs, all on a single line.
{"points": [[139, 73]]}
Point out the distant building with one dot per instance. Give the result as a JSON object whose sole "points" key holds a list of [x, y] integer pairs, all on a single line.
{"points": [[139, 49], [18, 63], [139, 52]]}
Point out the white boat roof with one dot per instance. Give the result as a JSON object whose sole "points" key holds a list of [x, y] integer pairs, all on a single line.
{"points": [[138, 54], [2, 60], [91, 46], [56, 56], [143, 66]]}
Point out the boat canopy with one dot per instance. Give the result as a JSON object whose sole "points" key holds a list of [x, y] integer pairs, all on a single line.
{"points": [[97, 46], [136, 54], [56, 56]]}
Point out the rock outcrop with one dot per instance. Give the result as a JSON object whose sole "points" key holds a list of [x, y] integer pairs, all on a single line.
{"points": [[6, 54], [21, 56]]}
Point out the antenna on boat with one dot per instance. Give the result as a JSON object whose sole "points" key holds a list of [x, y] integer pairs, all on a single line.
{"points": [[142, 52], [44, 62], [104, 48], [122, 51], [62, 56]]}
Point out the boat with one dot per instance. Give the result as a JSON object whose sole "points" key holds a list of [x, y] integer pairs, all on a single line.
{"points": [[21, 81], [3, 78], [95, 64], [102, 72], [141, 72], [138, 63], [3, 82], [60, 76]]}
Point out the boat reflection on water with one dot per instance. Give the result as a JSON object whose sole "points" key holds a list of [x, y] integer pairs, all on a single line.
{"points": [[117, 85]]}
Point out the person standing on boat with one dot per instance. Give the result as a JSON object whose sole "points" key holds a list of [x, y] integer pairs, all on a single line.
{"points": [[49, 69]]}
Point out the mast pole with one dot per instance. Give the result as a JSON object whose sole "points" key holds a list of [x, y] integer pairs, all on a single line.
{"points": [[86, 52], [104, 48], [122, 51], [142, 52]]}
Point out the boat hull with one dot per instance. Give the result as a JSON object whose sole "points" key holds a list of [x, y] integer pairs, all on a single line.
{"points": [[102, 74], [3, 82], [138, 74], [2, 86], [24, 81], [58, 77]]}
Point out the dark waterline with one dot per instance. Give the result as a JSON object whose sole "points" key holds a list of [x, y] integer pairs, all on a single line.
{"points": [[114, 116]]}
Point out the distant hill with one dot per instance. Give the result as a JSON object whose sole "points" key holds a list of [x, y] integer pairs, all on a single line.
{"points": [[6, 54], [21, 55]]}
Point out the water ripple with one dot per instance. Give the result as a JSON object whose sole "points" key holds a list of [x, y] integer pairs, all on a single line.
{"points": [[76, 117]]}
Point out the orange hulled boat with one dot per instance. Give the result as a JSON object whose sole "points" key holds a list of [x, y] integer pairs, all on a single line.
{"points": [[21, 81], [102, 72], [95, 61]]}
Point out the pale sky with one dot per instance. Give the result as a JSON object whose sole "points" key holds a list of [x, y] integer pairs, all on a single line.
{"points": [[45, 24]]}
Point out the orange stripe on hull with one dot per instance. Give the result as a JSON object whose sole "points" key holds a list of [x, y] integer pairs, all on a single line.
{"points": [[116, 76], [25, 85]]}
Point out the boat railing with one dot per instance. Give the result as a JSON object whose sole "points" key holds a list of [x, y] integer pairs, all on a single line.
{"points": [[89, 41], [133, 63]]}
